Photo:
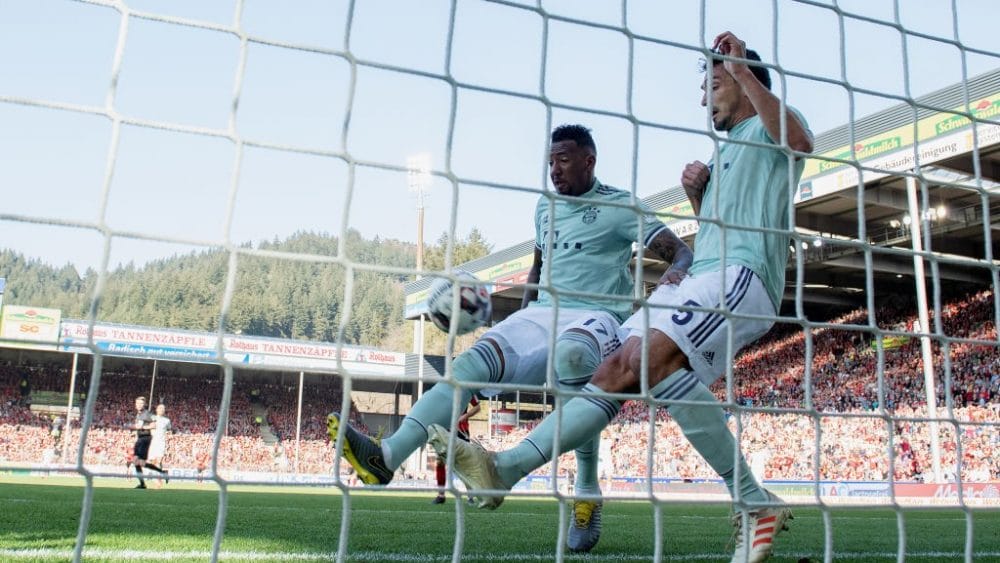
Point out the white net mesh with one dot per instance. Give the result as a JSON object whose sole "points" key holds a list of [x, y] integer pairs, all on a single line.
{"points": [[137, 130]]}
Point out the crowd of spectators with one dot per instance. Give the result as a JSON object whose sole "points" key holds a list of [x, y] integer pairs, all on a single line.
{"points": [[869, 422], [842, 399], [845, 361], [26, 436], [318, 399]]}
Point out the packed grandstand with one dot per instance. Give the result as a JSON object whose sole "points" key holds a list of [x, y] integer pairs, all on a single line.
{"points": [[779, 417]]}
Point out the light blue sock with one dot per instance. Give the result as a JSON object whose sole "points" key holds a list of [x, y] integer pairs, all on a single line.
{"points": [[705, 427], [586, 467], [478, 363], [582, 418], [577, 356]]}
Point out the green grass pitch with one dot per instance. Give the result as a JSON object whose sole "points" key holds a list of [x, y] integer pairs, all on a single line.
{"points": [[39, 520]]}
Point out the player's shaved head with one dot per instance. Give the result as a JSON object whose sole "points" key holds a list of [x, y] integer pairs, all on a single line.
{"points": [[572, 157]]}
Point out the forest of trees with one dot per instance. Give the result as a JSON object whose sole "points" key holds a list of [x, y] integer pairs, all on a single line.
{"points": [[298, 290]]}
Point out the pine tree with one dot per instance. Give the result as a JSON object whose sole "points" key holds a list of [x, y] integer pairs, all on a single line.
{"points": [[275, 297]]}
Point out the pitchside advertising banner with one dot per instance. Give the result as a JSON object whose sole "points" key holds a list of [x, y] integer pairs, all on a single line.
{"points": [[929, 493], [935, 138], [503, 420], [30, 327], [840, 492], [202, 347]]}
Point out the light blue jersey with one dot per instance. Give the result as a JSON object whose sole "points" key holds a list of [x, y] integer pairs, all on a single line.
{"points": [[591, 248], [750, 186]]}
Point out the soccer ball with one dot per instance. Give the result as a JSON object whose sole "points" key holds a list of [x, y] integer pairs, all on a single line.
{"points": [[475, 309]]}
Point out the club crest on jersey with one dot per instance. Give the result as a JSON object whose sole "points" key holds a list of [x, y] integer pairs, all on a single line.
{"points": [[590, 215]]}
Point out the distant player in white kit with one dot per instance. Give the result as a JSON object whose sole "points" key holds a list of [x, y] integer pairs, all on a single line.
{"points": [[158, 445], [582, 245]]}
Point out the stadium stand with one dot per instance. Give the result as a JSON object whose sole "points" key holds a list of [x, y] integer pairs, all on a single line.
{"points": [[768, 376]]}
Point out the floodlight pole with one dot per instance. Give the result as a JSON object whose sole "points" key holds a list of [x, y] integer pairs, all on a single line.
{"points": [[418, 180], [152, 385], [67, 427], [916, 240], [298, 422]]}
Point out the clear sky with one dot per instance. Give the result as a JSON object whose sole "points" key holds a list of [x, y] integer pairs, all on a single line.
{"points": [[178, 185]]}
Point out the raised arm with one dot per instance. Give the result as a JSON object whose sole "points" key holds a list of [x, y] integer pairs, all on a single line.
{"points": [[768, 105]]}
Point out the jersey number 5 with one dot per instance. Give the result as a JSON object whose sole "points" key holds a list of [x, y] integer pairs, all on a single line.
{"points": [[684, 317]]}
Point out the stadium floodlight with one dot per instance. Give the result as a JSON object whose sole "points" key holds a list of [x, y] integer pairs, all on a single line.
{"points": [[418, 180], [938, 213]]}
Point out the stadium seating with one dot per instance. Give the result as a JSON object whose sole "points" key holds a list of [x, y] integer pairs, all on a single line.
{"points": [[770, 375]]}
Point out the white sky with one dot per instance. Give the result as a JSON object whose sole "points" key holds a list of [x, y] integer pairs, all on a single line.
{"points": [[177, 185]]}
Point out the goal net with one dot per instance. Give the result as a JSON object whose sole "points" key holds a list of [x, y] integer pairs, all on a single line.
{"points": [[138, 131]]}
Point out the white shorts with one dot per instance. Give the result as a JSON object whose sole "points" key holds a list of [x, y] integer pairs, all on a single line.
{"points": [[156, 449], [703, 336], [525, 337]]}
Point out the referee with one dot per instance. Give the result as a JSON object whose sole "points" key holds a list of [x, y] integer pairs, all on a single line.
{"points": [[144, 423]]}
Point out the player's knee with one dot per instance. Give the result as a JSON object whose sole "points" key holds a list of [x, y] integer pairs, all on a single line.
{"points": [[576, 360], [484, 361], [633, 358], [615, 374]]}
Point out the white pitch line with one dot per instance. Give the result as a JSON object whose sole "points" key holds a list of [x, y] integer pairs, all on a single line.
{"points": [[451, 512], [147, 555]]}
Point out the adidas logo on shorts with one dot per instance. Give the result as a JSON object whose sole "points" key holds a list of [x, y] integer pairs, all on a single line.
{"points": [[709, 357]]}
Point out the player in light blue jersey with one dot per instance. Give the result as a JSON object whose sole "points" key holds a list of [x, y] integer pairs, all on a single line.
{"points": [[748, 185], [583, 245], [591, 245]]}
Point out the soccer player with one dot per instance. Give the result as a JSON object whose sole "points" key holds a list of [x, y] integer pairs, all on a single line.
{"points": [[464, 434], [748, 185], [143, 427], [158, 445], [582, 245]]}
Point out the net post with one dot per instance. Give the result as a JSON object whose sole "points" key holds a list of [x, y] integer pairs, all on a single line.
{"points": [[925, 342]]}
